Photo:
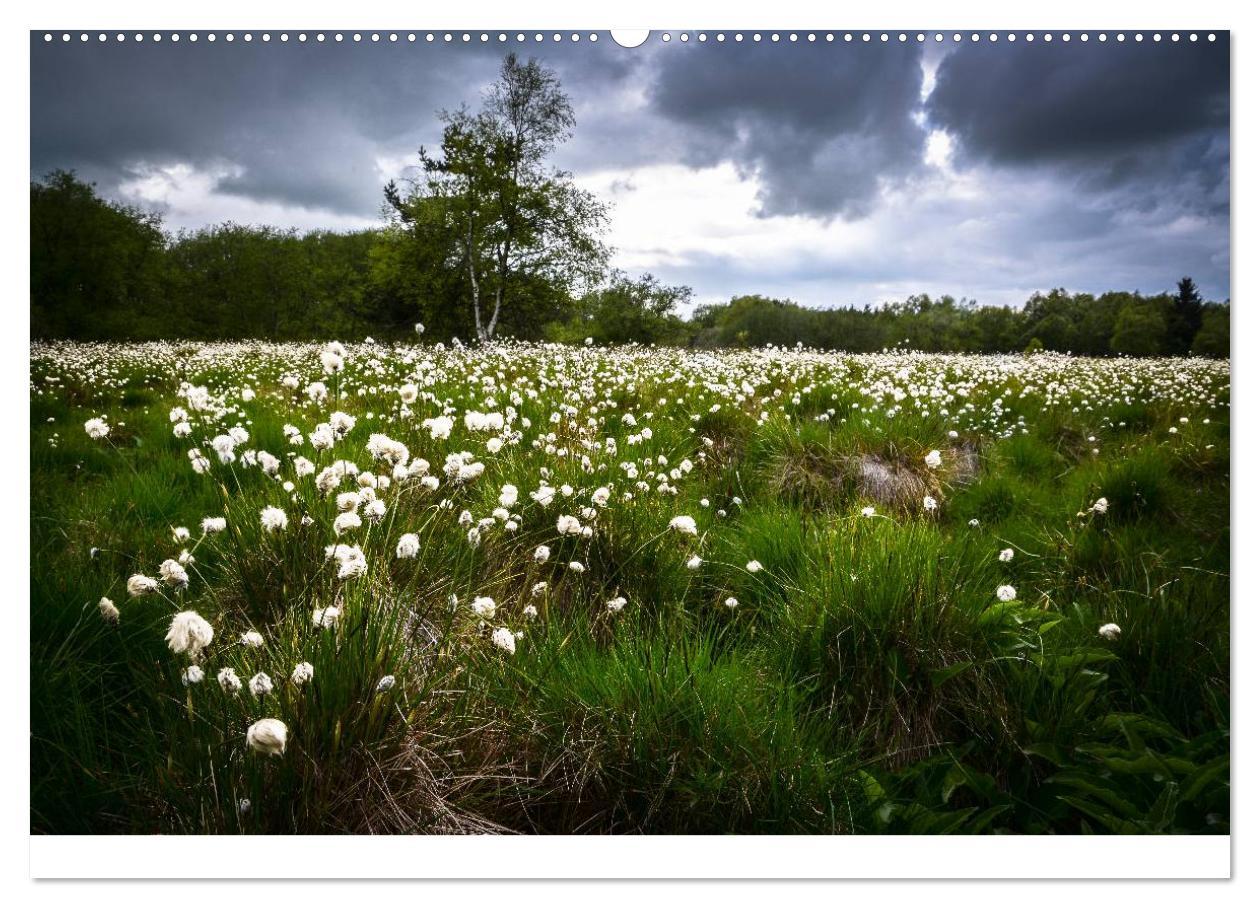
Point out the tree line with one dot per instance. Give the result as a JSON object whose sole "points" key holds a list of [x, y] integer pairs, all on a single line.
{"points": [[1117, 322], [490, 240]]}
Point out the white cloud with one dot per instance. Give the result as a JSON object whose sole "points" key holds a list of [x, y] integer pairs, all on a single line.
{"points": [[939, 148], [669, 214], [189, 197], [993, 236]]}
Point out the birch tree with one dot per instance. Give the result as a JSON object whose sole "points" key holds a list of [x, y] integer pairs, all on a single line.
{"points": [[517, 229]]}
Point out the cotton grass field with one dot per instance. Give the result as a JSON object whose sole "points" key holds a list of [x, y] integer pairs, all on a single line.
{"points": [[306, 588]]}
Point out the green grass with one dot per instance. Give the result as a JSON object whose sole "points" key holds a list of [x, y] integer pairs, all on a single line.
{"points": [[664, 729], [866, 679]]}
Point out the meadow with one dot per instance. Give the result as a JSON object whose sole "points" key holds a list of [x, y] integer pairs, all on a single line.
{"points": [[538, 588]]}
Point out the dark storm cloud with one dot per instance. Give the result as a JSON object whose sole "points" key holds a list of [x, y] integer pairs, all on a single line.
{"points": [[1019, 103], [1148, 118], [1087, 165], [303, 122], [821, 125]]}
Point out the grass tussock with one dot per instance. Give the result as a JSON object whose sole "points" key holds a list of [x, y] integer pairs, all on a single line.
{"points": [[827, 474]]}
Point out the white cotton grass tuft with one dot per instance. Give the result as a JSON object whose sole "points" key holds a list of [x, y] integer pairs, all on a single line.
{"points": [[731, 602], [408, 546], [229, 681], [173, 574], [193, 674], [331, 360], [1006, 555], [273, 519], [325, 617], [346, 521], [139, 585], [684, 525], [268, 736], [929, 503], [260, 685], [439, 427], [1100, 506], [504, 639], [694, 562], [753, 566], [108, 610], [483, 607], [302, 673], [385, 684], [252, 639], [189, 633], [351, 561], [616, 604], [96, 428], [210, 525], [933, 459], [1006, 593], [1109, 632]]}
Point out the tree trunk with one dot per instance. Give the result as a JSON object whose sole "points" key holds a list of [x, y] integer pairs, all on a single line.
{"points": [[476, 287], [504, 254], [494, 317]]}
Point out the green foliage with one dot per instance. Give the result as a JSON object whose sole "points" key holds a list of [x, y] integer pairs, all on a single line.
{"points": [[627, 310], [993, 498], [1213, 337], [1136, 486], [1079, 323], [96, 266], [236, 281], [1186, 317], [1140, 331], [1131, 775]]}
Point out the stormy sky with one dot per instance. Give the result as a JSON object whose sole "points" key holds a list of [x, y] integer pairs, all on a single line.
{"points": [[831, 173]]}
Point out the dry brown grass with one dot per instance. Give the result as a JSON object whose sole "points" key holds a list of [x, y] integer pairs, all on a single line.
{"points": [[822, 477]]}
